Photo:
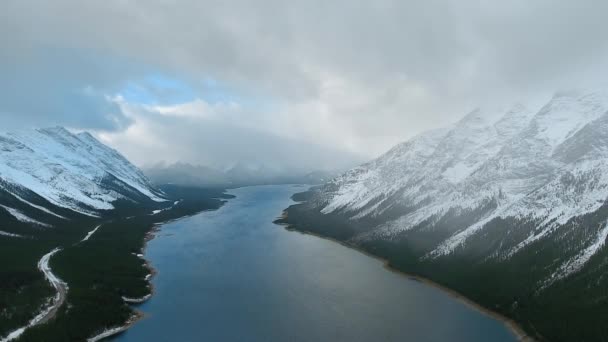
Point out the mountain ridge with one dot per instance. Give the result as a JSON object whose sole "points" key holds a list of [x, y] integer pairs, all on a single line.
{"points": [[70, 171], [69, 196], [524, 192]]}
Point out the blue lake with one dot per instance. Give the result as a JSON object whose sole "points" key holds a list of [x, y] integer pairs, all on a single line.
{"points": [[233, 275]]}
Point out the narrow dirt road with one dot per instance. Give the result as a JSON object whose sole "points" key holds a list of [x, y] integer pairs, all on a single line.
{"points": [[54, 304]]}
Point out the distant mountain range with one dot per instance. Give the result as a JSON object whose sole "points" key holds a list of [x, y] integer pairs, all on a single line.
{"points": [[237, 175], [508, 206], [46, 174]]}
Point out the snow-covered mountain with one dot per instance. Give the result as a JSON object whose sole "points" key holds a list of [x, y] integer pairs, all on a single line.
{"points": [[44, 171], [495, 184]]}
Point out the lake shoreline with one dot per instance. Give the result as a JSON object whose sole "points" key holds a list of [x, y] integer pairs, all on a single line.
{"points": [[137, 314], [156, 229], [149, 236], [513, 326], [117, 330]]}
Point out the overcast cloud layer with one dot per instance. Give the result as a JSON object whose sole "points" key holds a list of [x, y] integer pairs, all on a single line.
{"points": [[305, 84]]}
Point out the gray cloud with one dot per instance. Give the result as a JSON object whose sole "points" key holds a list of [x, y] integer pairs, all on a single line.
{"points": [[355, 75], [56, 86], [205, 134]]}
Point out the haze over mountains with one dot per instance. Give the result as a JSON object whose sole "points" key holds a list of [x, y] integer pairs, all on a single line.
{"points": [[509, 207], [431, 134], [239, 174], [546, 168]]}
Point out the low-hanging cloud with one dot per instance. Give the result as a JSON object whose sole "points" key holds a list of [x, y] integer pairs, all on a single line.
{"points": [[204, 133], [358, 76]]}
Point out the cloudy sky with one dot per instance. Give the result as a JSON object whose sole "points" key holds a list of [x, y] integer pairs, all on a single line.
{"points": [[300, 84]]}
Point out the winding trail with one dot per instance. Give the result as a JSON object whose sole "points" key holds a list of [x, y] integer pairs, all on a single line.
{"points": [[53, 304]]}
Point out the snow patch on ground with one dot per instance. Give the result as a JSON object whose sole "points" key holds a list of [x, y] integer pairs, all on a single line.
{"points": [[89, 234], [113, 331], [577, 263], [22, 217], [158, 211], [38, 207], [137, 300], [3, 233], [107, 333], [459, 172]]}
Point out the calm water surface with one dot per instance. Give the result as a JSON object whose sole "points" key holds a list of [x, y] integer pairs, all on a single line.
{"points": [[232, 275]]}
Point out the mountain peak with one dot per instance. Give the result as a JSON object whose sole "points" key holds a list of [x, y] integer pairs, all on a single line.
{"points": [[72, 171], [60, 130], [522, 165], [567, 112], [514, 119], [489, 115], [568, 93], [86, 135]]}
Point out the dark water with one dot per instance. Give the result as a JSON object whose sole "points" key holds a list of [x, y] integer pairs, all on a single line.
{"points": [[232, 275]]}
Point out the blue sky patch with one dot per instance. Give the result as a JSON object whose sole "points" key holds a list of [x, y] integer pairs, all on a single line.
{"points": [[158, 89]]}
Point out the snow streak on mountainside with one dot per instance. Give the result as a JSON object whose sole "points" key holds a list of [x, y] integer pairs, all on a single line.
{"points": [[73, 171], [546, 170]]}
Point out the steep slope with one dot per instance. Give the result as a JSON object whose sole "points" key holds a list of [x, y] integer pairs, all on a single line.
{"points": [[71, 171], [514, 194]]}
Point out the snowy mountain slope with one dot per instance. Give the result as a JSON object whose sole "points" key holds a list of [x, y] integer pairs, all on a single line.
{"points": [[71, 171], [432, 164], [439, 193]]}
